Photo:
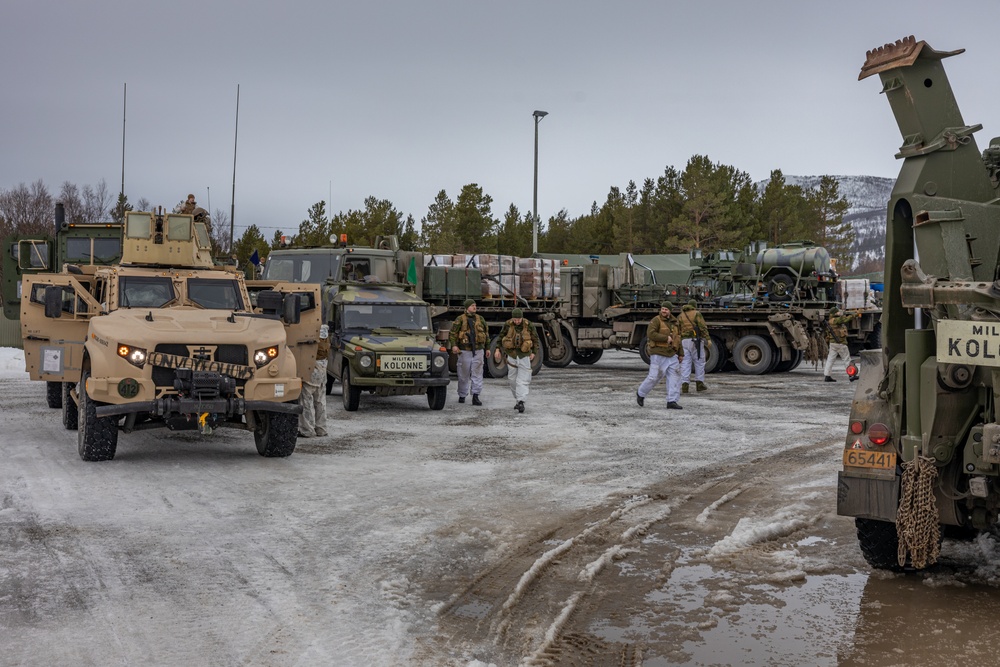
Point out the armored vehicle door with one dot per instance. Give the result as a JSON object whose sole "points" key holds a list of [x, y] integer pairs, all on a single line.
{"points": [[55, 316], [22, 257], [302, 332]]}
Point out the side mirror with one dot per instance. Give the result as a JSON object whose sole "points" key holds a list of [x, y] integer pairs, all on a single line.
{"points": [[53, 301], [291, 309]]}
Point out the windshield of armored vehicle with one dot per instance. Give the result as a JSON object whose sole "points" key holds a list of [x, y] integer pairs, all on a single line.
{"points": [[411, 317], [299, 268], [215, 294], [145, 292], [93, 250]]}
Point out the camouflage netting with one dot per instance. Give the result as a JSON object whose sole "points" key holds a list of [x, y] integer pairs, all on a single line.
{"points": [[917, 518]]}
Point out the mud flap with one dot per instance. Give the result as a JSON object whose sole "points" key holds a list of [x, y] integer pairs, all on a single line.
{"points": [[867, 498]]}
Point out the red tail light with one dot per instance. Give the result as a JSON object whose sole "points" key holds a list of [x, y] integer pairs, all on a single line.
{"points": [[852, 370], [857, 428], [879, 434]]}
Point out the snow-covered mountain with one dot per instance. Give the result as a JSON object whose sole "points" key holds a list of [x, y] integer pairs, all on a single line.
{"points": [[868, 197]]}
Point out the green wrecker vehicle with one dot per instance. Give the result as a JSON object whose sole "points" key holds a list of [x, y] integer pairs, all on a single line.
{"points": [[922, 453], [164, 338]]}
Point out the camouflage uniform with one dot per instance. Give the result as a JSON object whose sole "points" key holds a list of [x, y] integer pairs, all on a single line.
{"points": [[520, 343], [665, 353], [312, 422], [696, 343], [188, 206], [470, 338], [836, 337]]}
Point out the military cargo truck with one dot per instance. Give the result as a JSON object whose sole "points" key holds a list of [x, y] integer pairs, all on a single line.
{"points": [[602, 302], [922, 449], [165, 339]]}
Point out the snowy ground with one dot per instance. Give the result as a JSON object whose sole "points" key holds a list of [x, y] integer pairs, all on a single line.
{"points": [[587, 529]]}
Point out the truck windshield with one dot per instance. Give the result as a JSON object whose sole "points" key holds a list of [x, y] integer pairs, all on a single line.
{"points": [[145, 292], [299, 268], [215, 294], [396, 316]]}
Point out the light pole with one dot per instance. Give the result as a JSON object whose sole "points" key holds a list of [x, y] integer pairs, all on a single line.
{"points": [[538, 115]]}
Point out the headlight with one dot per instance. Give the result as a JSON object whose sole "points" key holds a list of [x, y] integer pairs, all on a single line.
{"points": [[134, 355], [439, 361], [263, 356], [365, 361]]}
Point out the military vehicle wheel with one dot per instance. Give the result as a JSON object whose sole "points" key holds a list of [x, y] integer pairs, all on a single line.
{"points": [[780, 287], [559, 357], [874, 340], [494, 369], [536, 363], [879, 543], [753, 355], [329, 384], [775, 356], [717, 355], [644, 351], [53, 394], [351, 394], [97, 437], [437, 397], [70, 412], [785, 366], [276, 433], [587, 357]]}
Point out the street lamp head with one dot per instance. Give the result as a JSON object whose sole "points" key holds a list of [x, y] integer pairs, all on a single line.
{"points": [[540, 114]]}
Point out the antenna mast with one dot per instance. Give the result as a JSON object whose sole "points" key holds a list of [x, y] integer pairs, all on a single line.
{"points": [[124, 106], [232, 206]]}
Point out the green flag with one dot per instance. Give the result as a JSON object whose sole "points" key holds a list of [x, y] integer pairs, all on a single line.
{"points": [[411, 274]]}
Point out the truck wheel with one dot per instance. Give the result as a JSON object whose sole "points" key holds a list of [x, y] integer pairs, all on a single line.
{"points": [[785, 366], [276, 433], [493, 369], [716, 358], [879, 543], [53, 394], [437, 397], [536, 364], [559, 357], [70, 412], [351, 394], [644, 350], [874, 339], [780, 287], [587, 357], [97, 437], [753, 355], [329, 384]]}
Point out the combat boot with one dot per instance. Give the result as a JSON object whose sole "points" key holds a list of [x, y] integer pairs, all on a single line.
{"points": [[701, 386], [827, 378], [674, 405], [475, 400], [684, 388], [461, 399], [520, 406], [641, 400]]}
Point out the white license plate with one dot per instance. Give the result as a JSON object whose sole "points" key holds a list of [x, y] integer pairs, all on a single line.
{"points": [[965, 342], [403, 363]]}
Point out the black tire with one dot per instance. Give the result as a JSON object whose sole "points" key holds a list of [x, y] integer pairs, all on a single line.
{"points": [[587, 357], [275, 434], [53, 394], [717, 356], [563, 355], [879, 543], [70, 412], [329, 384], [785, 366], [753, 355], [494, 369], [351, 394], [874, 339], [97, 437], [644, 350], [536, 363], [780, 287], [437, 397], [775, 356]]}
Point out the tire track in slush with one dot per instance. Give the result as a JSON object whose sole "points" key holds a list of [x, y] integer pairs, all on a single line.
{"points": [[558, 576]]}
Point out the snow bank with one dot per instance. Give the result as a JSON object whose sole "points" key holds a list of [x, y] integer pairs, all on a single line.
{"points": [[12, 363]]}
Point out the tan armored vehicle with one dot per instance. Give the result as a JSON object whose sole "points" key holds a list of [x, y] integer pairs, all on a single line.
{"points": [[168, 339]]}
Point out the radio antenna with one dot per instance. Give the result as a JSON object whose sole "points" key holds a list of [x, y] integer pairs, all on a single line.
{"points": [[232, 206]]}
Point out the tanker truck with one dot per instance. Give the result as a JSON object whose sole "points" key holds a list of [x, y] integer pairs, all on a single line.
{"points": [[921, 455]]}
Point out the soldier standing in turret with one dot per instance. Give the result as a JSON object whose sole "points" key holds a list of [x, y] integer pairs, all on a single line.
{"points": [[520, 342], [189, 206], [696, 342], [469, 339], [836, 337], [665, 353]]}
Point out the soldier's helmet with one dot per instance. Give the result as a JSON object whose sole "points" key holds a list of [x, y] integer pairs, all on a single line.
{"points": [[834, 310]]}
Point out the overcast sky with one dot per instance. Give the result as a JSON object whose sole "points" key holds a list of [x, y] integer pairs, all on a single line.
{"points": [[343, 100]]}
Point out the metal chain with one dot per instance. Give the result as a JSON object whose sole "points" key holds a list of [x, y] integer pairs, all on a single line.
{"points": [[917, 521]]}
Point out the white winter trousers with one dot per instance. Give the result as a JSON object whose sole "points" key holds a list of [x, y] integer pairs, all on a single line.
{"points": [[660, 366], [519, 376]]}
